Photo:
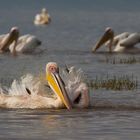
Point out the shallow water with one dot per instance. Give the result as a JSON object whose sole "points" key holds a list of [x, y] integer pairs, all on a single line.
{"points": [[68, 40], [77, 124]]}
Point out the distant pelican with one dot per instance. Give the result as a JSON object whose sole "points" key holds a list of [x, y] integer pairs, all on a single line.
{"points": [[124, 43], [13, 43], [26, 44], [8, 39], [30, 91], [43, 18]]}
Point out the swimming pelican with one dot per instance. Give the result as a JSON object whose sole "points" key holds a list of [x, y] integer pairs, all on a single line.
{"points": [[15, 44], [30, 91], [8, 39], [26, 44], [124, 43], [43, 18]]}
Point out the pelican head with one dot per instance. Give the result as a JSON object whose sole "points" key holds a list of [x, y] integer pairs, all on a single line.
{"points": [[56, 83], [70, 87], [108, 35], [14, 29], [44, 10], [14, 34], [9, 39]]}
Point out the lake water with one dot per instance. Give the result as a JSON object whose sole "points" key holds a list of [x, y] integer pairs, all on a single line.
{"points": [[76, 26]]}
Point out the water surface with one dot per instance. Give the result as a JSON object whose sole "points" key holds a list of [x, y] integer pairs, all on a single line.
{"points": [[75, 28]]}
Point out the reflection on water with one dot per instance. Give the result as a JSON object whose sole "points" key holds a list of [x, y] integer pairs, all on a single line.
{"points": [[77, 124]]}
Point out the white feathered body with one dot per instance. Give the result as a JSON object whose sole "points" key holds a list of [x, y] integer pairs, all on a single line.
{"points": [[26, 44], [126, 42], [42, 19], [31, 92], [28, 92]]}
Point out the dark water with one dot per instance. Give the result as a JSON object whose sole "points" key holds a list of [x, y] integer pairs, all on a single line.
{"points": [[75, 27], [77, 124]]}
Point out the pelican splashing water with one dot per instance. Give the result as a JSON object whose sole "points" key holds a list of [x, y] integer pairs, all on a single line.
{"points": [[31, 92]]}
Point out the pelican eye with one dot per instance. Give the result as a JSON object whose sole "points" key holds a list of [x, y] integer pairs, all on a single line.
{"points": [[77, 99], [53, 69]]}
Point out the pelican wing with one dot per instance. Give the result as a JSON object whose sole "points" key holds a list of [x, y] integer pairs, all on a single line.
{"points": [[131, 40], [118, 38], [26, 44]]}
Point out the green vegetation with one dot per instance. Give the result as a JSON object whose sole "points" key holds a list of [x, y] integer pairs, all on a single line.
{"points": [[114, 83], [129, 60]]}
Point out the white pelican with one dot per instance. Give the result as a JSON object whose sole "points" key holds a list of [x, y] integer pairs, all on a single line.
{"points": [[15, 44], [26, 44], [30, 91], [124, 43], [43, 18], [8, 39]]}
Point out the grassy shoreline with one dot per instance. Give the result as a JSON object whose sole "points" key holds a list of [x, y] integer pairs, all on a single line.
{"points": [[124, 82]]}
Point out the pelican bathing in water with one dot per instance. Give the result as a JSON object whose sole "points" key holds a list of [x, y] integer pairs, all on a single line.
{"points": [[30, 91], [43, 18], [15, 44], [124, 43]]}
